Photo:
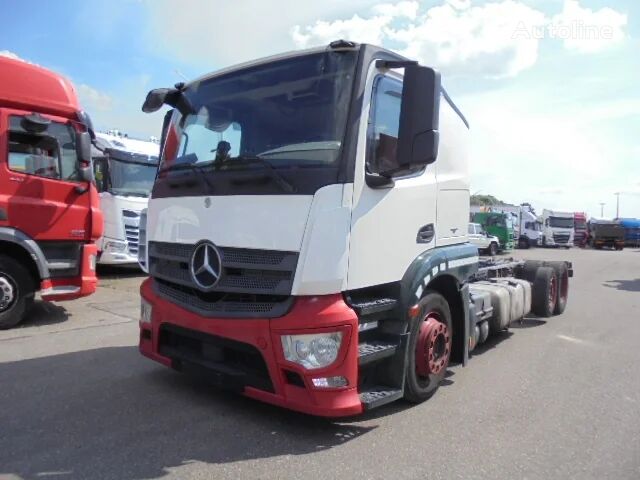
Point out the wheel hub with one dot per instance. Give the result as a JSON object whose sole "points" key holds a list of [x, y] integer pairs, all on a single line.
{"points": [[7, 293], [433, 346]]}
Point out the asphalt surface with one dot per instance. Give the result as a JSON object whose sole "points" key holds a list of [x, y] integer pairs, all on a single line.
{"points": [[548, 399]]}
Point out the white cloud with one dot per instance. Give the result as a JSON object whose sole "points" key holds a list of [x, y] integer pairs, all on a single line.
{"points": [[586, 30], [93, 99], [401, 9]]}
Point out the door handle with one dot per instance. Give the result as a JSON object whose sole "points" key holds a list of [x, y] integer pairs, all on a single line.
{"points": [[426, 233]]}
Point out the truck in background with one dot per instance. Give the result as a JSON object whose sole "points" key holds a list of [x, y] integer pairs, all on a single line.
{"points": [[49, 207], [498, 224], [580, 230], [526, 226], [125, 170], [605, 233], [557, 228], [318, 259], [631, 231]]}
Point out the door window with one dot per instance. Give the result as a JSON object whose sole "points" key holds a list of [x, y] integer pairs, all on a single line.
{"points": [[51, 154], [384, 121]]}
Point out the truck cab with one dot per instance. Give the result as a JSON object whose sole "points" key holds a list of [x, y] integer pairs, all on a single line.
{"points": [[124, 170], [499, 224], [580, 229], [557, 228], [529, 228], [306, 236], [49, 207]]}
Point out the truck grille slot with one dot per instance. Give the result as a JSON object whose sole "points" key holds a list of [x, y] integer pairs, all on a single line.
{"points": [[224, 304], [131, 234], [229, 363], [255, 276], [560, 238]]}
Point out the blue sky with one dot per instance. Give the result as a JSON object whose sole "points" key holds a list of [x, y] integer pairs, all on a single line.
{"points": [[555, 114]]}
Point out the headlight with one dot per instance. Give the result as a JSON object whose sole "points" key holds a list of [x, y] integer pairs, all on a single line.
{"points": [[145, 311], [312, 351], [115, 246]]}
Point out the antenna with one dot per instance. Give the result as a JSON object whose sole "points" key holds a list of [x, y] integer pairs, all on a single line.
{"points": [[179, 73], [602, 204]]}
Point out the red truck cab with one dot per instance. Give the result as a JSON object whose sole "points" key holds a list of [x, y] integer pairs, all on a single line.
{"points": [[581, 234], [49, 206]]}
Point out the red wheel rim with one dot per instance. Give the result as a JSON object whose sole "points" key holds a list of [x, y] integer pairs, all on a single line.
{"points": [[553, 292], [433, 347]]}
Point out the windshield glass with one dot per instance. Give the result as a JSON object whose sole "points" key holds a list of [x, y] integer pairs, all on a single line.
{"points": [[131, 178], [290, 113], [509, 222], [561, 222]]}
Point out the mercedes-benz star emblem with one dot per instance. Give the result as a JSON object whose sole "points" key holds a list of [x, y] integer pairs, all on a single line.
{"points": [[205, 266]]}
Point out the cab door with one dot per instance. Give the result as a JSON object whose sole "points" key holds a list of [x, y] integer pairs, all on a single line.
{"points": [[41, 193]]}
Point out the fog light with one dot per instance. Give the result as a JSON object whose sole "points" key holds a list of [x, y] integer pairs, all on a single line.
{"points": [[330, 382], [312, 351], [145, 311]]}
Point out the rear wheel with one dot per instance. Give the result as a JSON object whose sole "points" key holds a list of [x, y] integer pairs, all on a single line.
{"points": [[16, 292], [562, 276], [523, 243], [544, 292], [429, 348]]}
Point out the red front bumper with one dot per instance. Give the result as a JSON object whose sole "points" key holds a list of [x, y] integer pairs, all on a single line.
{"points": [[85, 283], [308, 315]]}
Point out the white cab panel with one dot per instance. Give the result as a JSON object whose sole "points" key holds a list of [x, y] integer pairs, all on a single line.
{"points": [[324, 257], [116, 226], [452, 172], [272, 222]]}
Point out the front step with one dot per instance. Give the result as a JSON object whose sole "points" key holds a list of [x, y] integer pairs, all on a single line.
{"points": [[378, 305], [375, 350], [379, 395]]}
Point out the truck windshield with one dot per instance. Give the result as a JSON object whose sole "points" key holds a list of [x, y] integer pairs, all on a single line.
{"points": [[288, 116], [131, 178], [561, 222]]}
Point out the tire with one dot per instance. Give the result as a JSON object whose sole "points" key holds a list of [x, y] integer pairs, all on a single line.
{"points": [[18, 291], [528, 270], [544, 241], [493, 249], [524, 243], [421, 382], [544, 293], [562, 274]]}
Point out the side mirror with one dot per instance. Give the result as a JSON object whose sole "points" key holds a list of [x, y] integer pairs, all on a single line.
{"points": [[83, 148], [155, 99], [418, 134]]}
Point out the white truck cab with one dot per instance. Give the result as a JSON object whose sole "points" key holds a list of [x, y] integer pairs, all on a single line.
{"points": [[486, 243], [557, 228], [124, 170], [307, 234]]}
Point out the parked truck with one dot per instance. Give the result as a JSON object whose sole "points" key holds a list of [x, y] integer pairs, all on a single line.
{"points": [[320, 261], [124, 169], [49, 207], [557, 229], [580, 231], [631, 231], [605, 233], [498, 224]]}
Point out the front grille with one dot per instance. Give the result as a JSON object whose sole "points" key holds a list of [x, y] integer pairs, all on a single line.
{"points": [[231, 364], [253, 282], [131, 234], [560, 238]]}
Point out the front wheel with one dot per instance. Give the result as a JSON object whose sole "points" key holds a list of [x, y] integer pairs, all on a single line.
{"points": [[430, 343], [493, 249], [16, 292]]}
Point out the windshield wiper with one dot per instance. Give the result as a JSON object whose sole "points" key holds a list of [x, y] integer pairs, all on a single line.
{"points": [[282, 182], [193, 167]]}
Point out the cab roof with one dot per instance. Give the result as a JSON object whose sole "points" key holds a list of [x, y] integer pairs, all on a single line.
{"points": [[30, 87]]}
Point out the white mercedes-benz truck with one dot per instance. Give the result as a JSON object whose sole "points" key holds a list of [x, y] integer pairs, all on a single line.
{"points": [[306, 237], [557, 229], [124, 170]]}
